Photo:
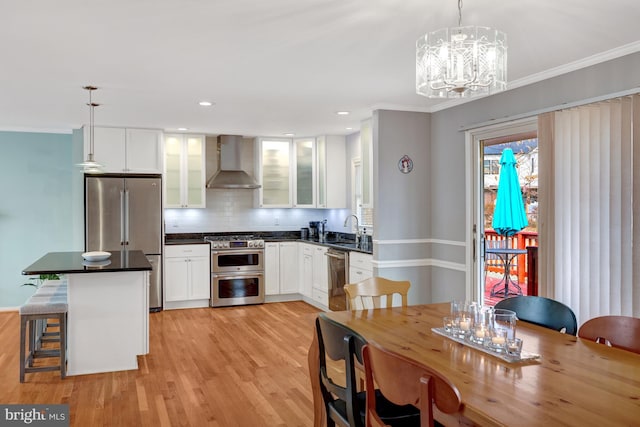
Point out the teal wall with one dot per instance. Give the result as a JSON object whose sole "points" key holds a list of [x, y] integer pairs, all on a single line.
{"points": [[40, 204]]}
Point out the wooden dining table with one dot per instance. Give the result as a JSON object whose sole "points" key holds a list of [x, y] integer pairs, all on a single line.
{"points": [[575, 382]]}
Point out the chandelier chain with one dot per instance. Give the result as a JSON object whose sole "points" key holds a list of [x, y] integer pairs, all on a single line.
{"points": [[459, 13]]}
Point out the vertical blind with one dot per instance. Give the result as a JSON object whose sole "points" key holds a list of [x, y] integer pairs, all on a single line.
{"points": [[589, 184]]}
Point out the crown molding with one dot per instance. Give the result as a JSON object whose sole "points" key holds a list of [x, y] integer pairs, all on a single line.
{"points": [[589, 61], [35, 130]]}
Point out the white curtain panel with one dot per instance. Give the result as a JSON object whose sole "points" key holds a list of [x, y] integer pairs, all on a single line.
{"points": [[589, 186]]}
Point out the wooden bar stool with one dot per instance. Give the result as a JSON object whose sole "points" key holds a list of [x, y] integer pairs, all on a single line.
{"points": [[42, 308]]}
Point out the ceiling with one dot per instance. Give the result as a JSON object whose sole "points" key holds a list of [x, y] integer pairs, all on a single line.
{"points": [[271, 67]]}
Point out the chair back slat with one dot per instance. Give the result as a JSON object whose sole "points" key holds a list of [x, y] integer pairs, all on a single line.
{"points": [[404, 381], [542, 311], [339, 343], [369, 292], [617, 331]]}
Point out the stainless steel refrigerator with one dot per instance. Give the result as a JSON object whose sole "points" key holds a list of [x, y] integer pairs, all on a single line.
{"points": [[124, 212]]}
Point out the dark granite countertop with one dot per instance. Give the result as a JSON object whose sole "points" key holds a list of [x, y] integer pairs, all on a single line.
{"points": [[342, 241], [72, 262], [195, 241]]}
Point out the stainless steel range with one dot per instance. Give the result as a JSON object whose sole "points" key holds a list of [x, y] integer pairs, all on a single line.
{"points": [[237, 270]]}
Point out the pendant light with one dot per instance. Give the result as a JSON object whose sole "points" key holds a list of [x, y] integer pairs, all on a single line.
{"points": [[461, 62], [90, 165]]}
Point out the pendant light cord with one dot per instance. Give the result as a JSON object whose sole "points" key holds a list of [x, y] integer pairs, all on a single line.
{"points": [[92, 106], [91, 124], [459, 13]]}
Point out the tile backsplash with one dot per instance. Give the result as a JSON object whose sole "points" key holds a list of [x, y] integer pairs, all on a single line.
{"points": [[233, 210]]}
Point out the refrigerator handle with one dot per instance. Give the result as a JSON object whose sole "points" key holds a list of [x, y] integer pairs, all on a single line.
{"points": [[126, 217], [122, 218]]}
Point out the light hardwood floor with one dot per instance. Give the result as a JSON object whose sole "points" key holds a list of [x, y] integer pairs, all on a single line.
{"points": [[239, 366]]}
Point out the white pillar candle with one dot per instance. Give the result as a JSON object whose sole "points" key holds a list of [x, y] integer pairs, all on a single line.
{"points": [[498, 340]]}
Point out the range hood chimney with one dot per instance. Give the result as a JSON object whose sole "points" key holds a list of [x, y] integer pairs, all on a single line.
{"points": [[230, 175]]}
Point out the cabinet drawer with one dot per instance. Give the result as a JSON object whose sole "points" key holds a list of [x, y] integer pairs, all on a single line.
{"points": [[307, 249], [180, 251], [320, 297], [360, 260], [358, 274]]}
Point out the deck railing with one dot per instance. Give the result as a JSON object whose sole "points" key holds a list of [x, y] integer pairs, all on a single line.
{"points": [[519, 265]]}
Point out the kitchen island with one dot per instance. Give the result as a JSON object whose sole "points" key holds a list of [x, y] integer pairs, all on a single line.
{"points": [[108, 309]]}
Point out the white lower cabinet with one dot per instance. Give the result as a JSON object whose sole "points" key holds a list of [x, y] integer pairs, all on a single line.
{"points": [[187, 280], [320, 281], [360, 267], [281, 268], [306, 269]]}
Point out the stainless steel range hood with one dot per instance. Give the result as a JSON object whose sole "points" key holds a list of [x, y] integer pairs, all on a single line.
{"points": [[230, 175]]}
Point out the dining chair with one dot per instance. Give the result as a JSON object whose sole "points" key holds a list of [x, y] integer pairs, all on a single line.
{"points": [[406, 382], [615, 331], [373, 289], [345, 405], [542, 311]]}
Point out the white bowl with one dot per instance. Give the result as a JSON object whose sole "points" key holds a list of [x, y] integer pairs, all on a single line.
{"points": [[96, 256], [96, 263]]}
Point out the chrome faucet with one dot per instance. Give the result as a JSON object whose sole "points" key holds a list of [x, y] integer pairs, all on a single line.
{"points": [[358, 234]]}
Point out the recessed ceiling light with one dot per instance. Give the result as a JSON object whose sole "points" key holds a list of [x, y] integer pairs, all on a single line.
{"points": [[206, 103], [342, 113], [289, 134], [349, 128], [183, 128]]}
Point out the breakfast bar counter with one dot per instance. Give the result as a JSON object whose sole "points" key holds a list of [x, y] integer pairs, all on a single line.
{"points": [[108, 308]]}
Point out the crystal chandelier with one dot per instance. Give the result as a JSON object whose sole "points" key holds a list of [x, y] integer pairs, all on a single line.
{"points": [[90, 165], [461, 62]]}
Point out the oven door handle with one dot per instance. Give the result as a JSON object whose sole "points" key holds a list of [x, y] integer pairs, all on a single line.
{"points": [[238, 252], [236, 276]]}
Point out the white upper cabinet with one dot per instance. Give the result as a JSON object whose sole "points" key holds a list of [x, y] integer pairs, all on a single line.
{"points": [[184, 171], [331, 172], [304, 180], [122, 150], [302, 173], [143, 151], [275, 172]]}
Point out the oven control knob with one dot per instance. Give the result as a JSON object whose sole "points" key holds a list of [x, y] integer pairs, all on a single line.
{"points": [[251, 243], [226, 245], [260, 243]]}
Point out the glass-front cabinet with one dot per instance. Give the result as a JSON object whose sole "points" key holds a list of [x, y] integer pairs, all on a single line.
{"points": [[184, 177], [294, 173], [275, 157], [304, 178]]}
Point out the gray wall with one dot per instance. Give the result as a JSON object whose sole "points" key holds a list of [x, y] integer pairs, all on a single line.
{"points": [[447, 179], [401, 203]]}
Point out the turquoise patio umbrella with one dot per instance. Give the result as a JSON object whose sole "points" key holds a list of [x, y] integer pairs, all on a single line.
{"points": [[509, 216]]}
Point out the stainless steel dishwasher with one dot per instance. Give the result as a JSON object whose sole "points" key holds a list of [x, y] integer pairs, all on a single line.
{"points": [[338, 265]]}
